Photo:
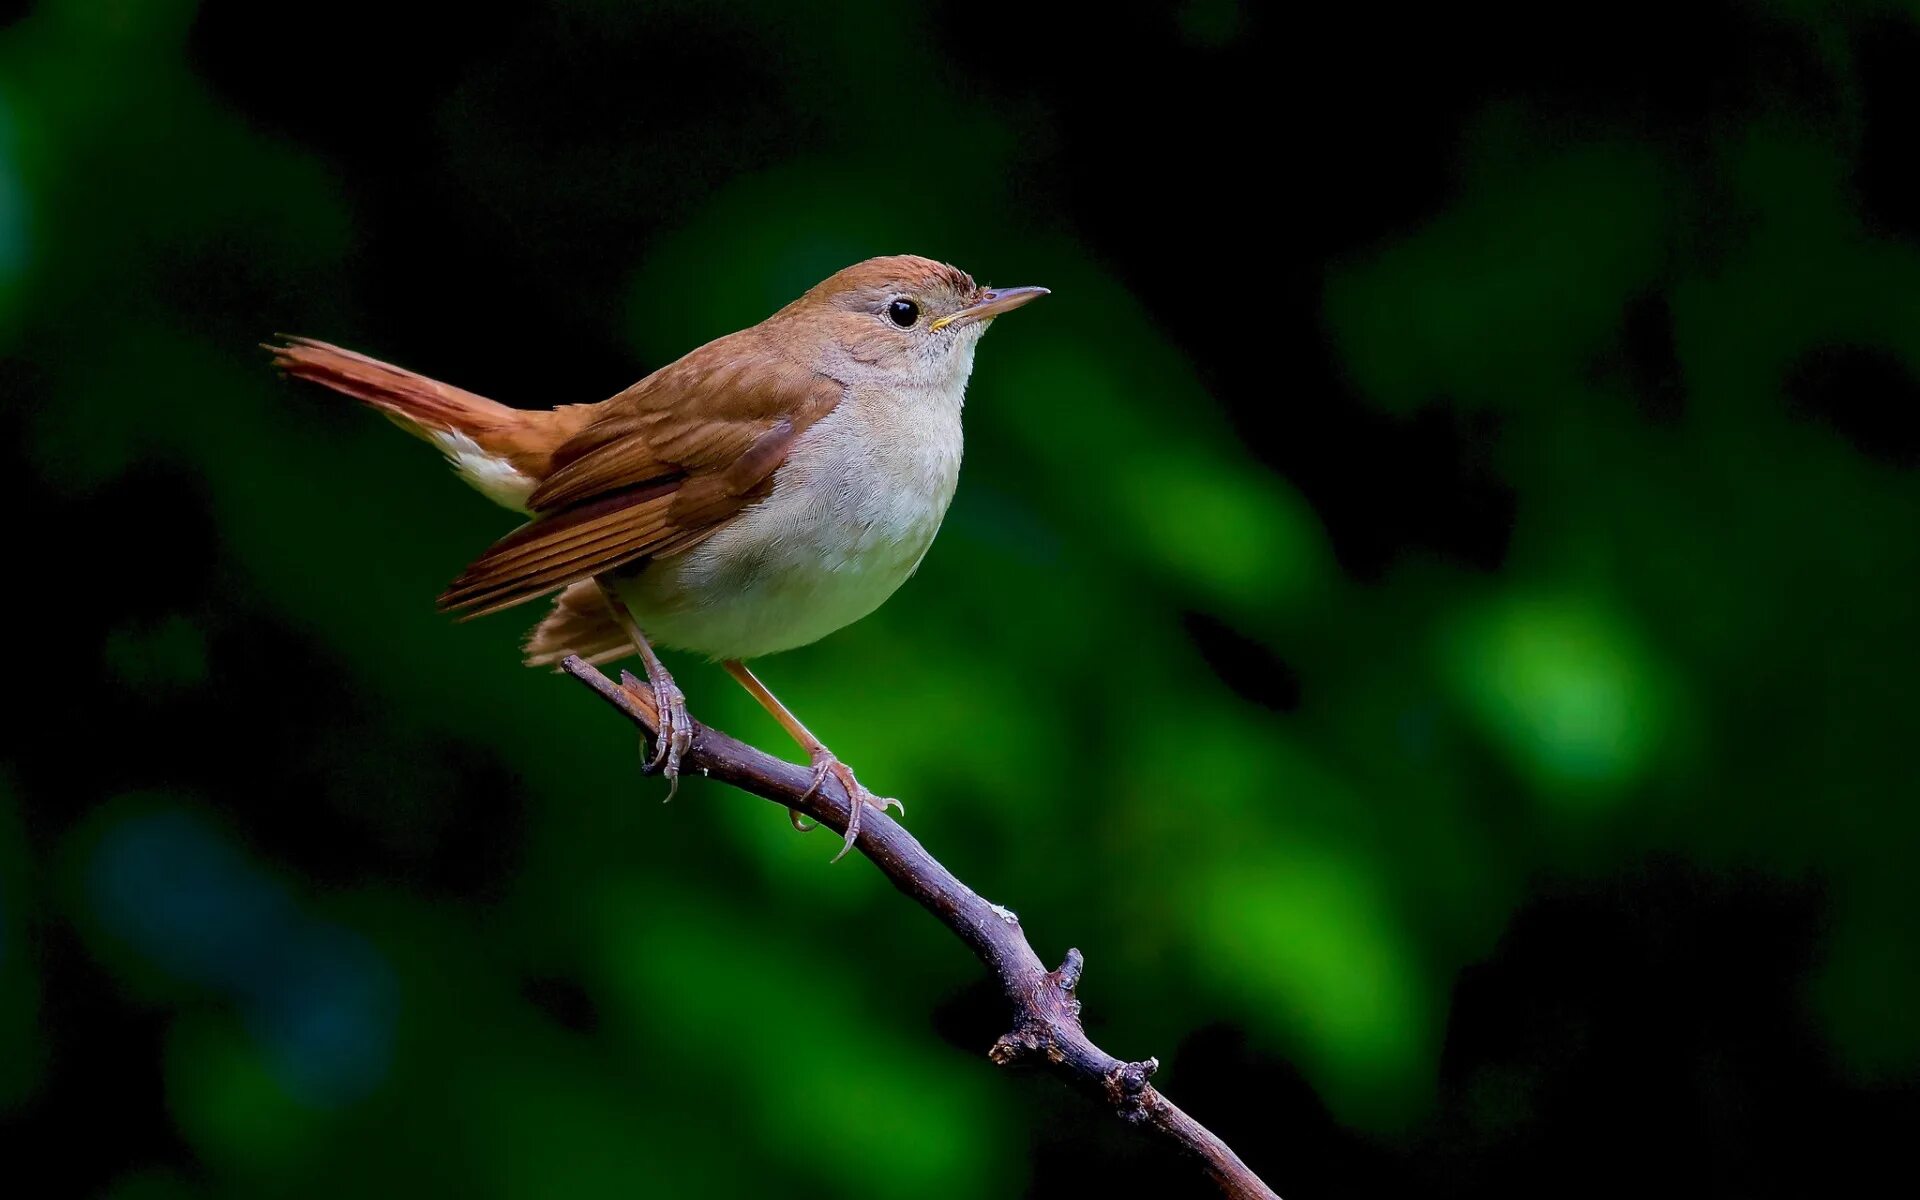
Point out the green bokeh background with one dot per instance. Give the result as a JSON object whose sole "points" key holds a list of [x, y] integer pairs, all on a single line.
{"points": [[306, 891]]}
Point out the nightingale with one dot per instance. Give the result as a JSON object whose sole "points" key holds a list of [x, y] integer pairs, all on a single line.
{"points": [[763, 491]]}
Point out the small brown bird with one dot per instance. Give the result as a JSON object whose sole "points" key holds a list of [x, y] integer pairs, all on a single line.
{"points": [[758, 494]]}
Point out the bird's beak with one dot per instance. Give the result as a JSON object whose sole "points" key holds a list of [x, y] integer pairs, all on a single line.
{"points": [[991, 303]]}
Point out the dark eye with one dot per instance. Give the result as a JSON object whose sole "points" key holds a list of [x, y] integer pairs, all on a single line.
{"points": [[903, 313]]}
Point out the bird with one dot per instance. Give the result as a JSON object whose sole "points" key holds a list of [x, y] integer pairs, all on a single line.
{"points": [[763, 491]]}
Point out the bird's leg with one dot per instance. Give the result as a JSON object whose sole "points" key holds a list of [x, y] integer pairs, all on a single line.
{"points": [[676, 727], [822, 759]]}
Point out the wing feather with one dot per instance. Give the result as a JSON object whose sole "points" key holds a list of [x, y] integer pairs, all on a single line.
{"points": [[659, 469]]}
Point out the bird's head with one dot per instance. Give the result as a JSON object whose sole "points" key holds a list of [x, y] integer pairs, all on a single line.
{"points": [[903, 313]]}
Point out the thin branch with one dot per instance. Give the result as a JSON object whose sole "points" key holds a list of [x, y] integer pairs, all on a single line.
{"points": [[1046, 1029]]}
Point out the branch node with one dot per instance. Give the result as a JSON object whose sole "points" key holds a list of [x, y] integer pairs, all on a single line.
{"points": [[1022, 1042], [1128, 1090], [1067, 977]]}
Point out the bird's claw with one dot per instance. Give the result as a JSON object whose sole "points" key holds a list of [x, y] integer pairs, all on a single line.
{"points": [[674, 736], [825, 764]]}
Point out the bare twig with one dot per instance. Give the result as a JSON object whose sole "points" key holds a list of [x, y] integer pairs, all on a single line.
{"points": [[1046, 1029]]}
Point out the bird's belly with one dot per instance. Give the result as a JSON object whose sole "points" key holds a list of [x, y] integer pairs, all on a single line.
{"points": [[838, 535]]}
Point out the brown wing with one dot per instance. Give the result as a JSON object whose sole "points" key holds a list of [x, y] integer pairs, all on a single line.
{"points": [[659, 469]]}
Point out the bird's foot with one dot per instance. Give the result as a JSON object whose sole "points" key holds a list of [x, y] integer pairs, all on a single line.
{"points": [[675, 734], [824, 764]]}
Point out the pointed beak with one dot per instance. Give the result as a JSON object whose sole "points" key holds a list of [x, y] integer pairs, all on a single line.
{"points": [[991, 303]]}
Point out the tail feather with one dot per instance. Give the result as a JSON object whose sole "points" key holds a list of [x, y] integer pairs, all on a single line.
{"points": [[424, 406], [503, 452], [580, 623]]}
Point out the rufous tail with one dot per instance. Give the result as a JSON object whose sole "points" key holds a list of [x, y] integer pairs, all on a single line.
{"points": [[503, 452], [421, 405]]}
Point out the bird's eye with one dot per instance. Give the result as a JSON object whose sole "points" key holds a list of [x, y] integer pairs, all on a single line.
{"points": [[903, 313]]}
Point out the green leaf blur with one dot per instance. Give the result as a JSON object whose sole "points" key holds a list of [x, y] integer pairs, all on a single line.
{"points": [[361, 907]]}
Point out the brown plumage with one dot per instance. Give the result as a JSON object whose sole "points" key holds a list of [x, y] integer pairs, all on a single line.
{"points": [[421, 406], [580, 623], [660, 467], [758, 494], [650, 472], [654, 470]]}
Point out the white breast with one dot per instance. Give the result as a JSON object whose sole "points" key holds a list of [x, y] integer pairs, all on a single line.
{"points": [[853, 510]]}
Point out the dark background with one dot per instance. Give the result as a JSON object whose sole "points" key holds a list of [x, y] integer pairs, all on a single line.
{"points": [[1429, 608]]}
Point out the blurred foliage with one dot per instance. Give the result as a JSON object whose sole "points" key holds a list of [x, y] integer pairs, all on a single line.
{"points": [[1429, 608]]}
